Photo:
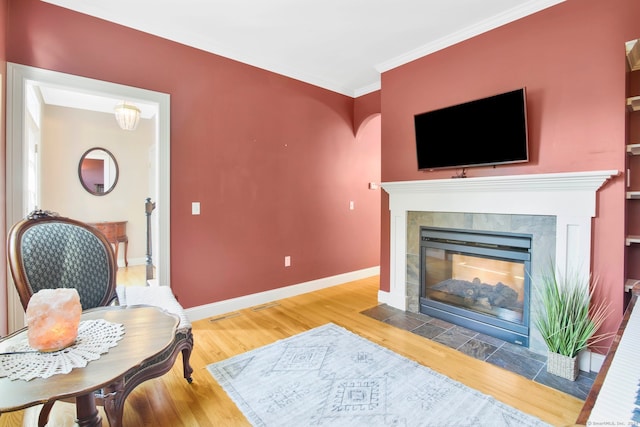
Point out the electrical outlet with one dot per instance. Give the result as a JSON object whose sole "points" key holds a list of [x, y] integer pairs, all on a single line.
{"points": [[352, 205], [287, 261], [195, 208]]}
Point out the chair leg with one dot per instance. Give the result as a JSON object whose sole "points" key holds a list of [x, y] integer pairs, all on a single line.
{"points": [[186, 366], [43, 418]]}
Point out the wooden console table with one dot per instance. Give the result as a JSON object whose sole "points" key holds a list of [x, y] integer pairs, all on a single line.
{"points": [[116, 233]]}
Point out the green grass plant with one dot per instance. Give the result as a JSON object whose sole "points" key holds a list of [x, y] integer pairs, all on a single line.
{"points": [[567, 316]]}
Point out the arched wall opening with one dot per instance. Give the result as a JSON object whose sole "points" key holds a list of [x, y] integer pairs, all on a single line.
{"points": [[368, 135]]}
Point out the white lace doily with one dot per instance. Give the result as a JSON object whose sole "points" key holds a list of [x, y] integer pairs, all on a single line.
{"points": [[95, 337]]}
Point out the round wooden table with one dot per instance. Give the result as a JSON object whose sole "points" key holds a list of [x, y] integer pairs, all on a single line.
{"points": [[147, 332]]}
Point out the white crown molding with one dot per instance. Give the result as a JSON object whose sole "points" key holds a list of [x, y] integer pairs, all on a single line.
{"points": [[367, 89], [468, 32], [365, 80]]}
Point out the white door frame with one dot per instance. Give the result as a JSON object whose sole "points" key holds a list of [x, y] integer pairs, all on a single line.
{"points": [[17, 78]]}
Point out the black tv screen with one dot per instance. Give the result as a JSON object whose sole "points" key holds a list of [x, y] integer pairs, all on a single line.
{"points": [[487, 131]]}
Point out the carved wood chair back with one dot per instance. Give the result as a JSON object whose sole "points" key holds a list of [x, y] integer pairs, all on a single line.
{"points": [[47, 251]]}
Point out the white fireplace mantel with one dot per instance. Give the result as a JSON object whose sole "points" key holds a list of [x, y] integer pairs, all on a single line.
{"points": [[570, 197]]}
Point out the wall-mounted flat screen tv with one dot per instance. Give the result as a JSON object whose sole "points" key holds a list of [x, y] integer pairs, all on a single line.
{"points": [[487, 131]]}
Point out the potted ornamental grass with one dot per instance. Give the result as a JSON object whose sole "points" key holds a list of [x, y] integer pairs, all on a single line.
{"points": [[568, 319]]}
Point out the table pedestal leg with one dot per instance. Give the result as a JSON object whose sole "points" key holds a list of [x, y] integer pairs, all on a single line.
{"points": [[87, 412]]}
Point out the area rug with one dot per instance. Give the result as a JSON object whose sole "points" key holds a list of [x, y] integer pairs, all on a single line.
{"points": [[329, 376]]}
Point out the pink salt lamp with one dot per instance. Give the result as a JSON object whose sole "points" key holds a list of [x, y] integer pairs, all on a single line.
{"points": [[53, 316]]}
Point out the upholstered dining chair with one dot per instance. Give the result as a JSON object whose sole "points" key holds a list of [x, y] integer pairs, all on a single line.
{"points": [[46, 250]]}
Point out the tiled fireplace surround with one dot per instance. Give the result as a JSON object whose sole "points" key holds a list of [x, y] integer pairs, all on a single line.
{"points": [[556, 209]]}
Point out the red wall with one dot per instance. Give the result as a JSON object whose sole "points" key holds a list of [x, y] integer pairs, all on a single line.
{"points": [[571, 59], [273, 161], [365, 106]]}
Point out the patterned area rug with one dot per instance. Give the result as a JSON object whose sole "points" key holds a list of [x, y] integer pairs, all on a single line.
{"points": [[329, 376]]}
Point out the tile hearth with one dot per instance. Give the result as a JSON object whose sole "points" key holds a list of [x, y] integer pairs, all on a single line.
{"points": [[489, 349]]}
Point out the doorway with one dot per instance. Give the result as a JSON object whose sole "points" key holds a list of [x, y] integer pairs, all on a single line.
{"points": [[19, 168]]}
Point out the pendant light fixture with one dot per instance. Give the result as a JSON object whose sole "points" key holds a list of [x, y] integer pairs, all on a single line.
{"points": [[127, 116]]}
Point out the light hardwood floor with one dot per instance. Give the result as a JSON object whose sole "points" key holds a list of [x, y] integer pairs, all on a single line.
{"points": [[134, 275], [170, 401]]}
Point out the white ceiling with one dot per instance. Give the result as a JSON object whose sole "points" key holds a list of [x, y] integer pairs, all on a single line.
{"points": [[72, 98], [340, 45]]}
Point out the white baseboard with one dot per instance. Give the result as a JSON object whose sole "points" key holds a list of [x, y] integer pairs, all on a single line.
{"points": [[590, 361], [234, 304], [131, 261]]}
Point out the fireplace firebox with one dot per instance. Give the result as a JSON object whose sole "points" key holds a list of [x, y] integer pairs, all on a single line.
{"points": [[477, 279]]}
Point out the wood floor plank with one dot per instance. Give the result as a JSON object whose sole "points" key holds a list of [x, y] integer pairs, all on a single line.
{"points": [[170, 401]]}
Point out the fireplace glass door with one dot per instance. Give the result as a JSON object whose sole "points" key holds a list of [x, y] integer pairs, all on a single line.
{"points": [[477, 280]]}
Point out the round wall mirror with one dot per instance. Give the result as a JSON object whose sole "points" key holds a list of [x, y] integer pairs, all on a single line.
{"points": [[98, 171]]}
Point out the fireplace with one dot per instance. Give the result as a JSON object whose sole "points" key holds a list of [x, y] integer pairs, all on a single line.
{"points": [[477, 279], [570, 198]]}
